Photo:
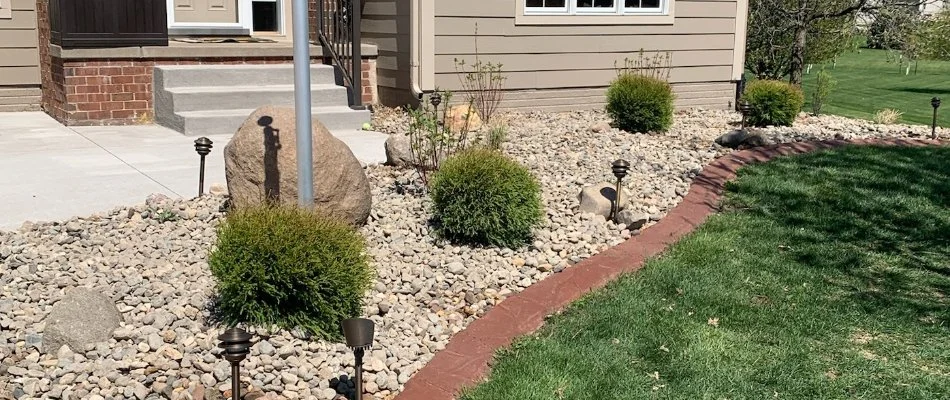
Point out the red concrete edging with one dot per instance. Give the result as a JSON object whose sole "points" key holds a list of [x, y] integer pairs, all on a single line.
{"points": [[466, 359]]}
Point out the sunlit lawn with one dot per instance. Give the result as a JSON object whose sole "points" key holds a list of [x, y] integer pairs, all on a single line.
{"points": [[868, 82], [826, 277]]}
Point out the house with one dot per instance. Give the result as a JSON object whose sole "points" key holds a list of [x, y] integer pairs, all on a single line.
{"points": [[200, 66], [557, 54], [19, 58]]}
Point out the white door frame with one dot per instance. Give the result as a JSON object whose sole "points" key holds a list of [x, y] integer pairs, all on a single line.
{"points": [[245, 21]]}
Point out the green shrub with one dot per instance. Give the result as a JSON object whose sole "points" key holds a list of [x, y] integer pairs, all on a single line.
{"points": [[773, 103], [290, 267], [640, 103], [482, 197]]}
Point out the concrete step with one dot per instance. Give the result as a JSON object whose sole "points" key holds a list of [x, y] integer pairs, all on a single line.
{"points": [[19, 107], [236, 75], [19, 100], [20, 91], [225, 122], [204, 98]]}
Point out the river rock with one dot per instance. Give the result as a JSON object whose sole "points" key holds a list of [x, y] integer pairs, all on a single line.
{"points": [[398, 151]]}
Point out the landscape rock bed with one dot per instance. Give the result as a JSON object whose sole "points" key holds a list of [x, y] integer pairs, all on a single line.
{"points": [[151, 259]]}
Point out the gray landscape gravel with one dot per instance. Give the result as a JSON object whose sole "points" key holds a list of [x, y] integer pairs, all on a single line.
{"points": [[151, 260]]}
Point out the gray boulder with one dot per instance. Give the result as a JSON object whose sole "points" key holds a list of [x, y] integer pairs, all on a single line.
{"points": [[83, 317], [632, 220], [398, 151], [260, 164], [598, 199], [739, 139]]}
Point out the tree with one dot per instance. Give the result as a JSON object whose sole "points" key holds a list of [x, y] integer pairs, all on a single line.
{"points": [[893, 28], [794, 20], [933, 37]]}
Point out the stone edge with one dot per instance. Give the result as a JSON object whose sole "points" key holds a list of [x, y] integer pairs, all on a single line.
{"points": [[467, 358]]}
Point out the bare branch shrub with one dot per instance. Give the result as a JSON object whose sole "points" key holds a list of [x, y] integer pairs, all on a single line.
{"points": [[482, 82], [657, 66]]}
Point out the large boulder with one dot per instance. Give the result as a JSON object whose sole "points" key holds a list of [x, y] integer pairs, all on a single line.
{"points": [[83, 317], [461, 116], [598, 199], [742, 139], [398, 151], [260, 163]]}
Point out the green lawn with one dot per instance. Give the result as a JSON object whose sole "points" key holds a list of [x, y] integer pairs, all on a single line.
{"points": [[867, 82], [826, 277]]}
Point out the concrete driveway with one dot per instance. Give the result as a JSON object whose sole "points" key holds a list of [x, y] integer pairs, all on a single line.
{"points": [[52, 172]]}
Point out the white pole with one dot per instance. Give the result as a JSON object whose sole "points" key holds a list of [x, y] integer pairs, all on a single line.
{"points": [[302, 103]]}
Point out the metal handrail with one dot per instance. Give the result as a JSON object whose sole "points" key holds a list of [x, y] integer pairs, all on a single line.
{"points": [[338, 30]]}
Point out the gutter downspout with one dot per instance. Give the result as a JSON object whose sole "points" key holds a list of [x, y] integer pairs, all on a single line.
{"points": [[415, 43]]}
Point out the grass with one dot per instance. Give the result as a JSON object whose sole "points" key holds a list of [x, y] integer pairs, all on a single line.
{"points": [[868, 82], [825, 277]]}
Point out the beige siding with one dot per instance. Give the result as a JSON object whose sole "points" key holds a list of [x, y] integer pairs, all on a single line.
{"points": [[386, 23], [19, 57], [557, 66]]}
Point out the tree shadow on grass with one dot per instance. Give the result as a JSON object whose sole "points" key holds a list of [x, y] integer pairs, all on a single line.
{"points": [[927, 91], [879, 215]]}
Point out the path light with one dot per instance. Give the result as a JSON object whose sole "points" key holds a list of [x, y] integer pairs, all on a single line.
{"points": [[435, 99], [203, 146], [745, 108], [359, 337], [935, 103], [620, 168], [236, 343]]}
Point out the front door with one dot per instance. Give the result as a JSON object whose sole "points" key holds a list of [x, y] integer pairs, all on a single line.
{"points": [[206, 11]]}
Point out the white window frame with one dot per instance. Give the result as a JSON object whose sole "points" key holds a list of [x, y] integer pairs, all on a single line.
{"points": [[571, 8], [6, 9], [571, 14]]}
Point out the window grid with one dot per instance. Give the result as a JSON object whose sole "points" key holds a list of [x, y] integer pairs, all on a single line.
{"points": [[595, 7]]}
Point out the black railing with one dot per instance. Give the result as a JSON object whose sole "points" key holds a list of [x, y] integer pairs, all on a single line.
{"points": [[338, 29]]}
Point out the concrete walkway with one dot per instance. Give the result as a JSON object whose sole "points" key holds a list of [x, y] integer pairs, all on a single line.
{"points": [[52, 172]]}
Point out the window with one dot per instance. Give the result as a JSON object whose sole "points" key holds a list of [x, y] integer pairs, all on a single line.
{"points": [[595, 7], [6, 11]]}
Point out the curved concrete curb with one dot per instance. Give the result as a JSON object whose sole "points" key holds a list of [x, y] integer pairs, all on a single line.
{"points": [[465, 361]]}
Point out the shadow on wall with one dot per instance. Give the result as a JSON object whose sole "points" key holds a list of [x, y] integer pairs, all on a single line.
{"points": [[271, 146]]}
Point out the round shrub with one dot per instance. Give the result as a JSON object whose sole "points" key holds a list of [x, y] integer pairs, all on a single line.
{"points": [[773, 103], [290, 267], [482, 197], [640, 103]]}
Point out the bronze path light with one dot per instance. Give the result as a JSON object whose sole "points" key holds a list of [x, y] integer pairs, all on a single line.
{"points": [[620, 169], [935, 103], [359, 337], [745, 108], [203, 147], [237, 345]]}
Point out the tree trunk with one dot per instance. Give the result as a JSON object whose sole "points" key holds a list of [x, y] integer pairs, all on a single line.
{"points": [[797, 66]]}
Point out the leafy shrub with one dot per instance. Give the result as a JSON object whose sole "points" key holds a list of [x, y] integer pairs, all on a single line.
{"points": [[640, 103], [290, 267], [824, 84], [887, 116], [773, 103], [482, 197]]}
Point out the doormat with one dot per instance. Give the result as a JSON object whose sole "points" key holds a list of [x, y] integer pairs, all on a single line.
{"points": [[221, 39]]}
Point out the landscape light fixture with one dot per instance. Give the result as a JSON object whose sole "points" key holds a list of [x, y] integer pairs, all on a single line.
{"points": [[620, 169], [744, 108], [359, 337], [435, 99], [203, 147], [236, 343], [935, 103]]}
